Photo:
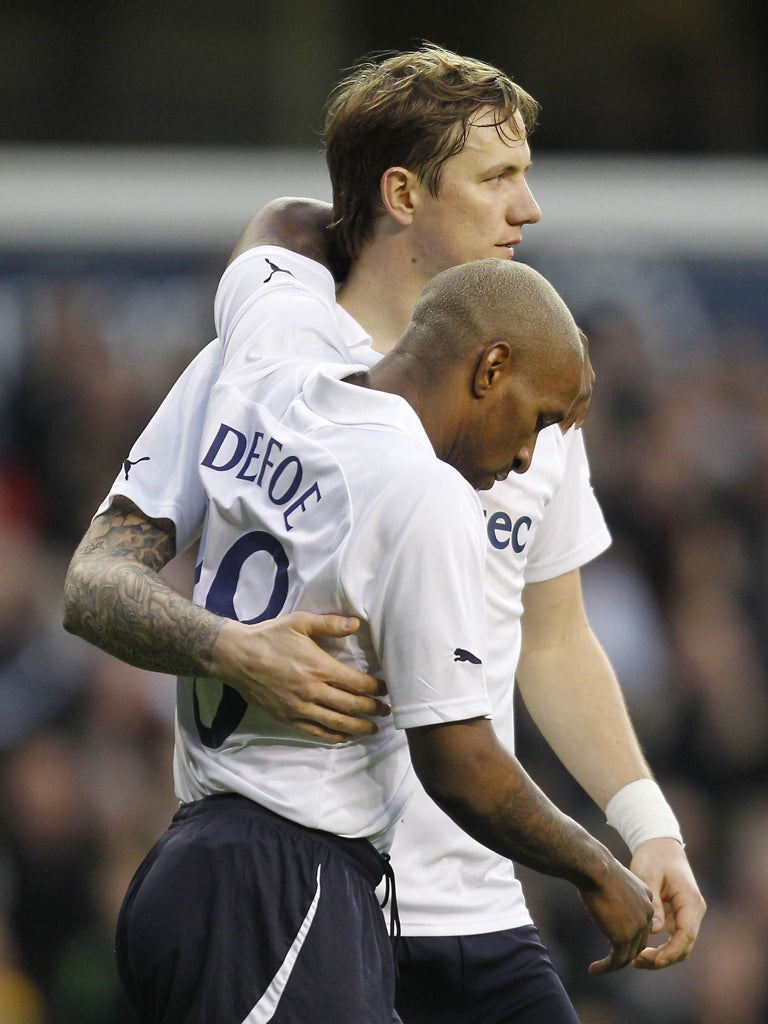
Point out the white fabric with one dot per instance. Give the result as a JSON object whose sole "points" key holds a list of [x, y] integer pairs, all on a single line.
{"points": [[538, 526], [541, 524], [639, 811], [161, 473], [162, 478], [332, 501]]}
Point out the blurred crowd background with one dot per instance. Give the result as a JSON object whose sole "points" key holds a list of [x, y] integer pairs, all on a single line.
{"points": [[677, 436]]}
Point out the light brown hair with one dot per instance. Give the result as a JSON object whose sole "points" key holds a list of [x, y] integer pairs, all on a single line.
{"points": [[411, 110]]}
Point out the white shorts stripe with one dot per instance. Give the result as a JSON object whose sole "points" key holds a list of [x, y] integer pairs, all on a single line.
{"points": [[265, 1009]]}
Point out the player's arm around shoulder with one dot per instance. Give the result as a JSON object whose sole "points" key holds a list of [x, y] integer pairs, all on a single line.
{"points": [[301, 225], [115, 598]]}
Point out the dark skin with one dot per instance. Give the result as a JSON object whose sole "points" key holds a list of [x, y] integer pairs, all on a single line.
{"points": [[115, 598], [462, 765], [486, 791]]}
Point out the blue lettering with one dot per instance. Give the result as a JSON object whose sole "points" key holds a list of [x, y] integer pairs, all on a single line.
{"points": [[517, 543], [292, 487], [502, 532], [252, 454], [301, 503], [499, 524], [266, 464], [218, 441], [284, 478]]}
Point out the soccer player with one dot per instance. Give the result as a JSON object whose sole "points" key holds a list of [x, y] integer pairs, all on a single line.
{"points": [[428, 156], [338, 485]]}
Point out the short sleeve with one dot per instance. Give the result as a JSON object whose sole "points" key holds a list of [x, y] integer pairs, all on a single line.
{"points": [[421, 580], [573, 530], [160, 474], [274, 303]]}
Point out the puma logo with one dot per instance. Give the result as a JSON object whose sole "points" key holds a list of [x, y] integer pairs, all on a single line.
{"points": [[274, 269], [128, 465], [461, 655]]}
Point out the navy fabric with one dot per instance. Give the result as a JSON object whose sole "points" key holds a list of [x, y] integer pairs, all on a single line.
{"points": [[222, 900], [495, 978]]}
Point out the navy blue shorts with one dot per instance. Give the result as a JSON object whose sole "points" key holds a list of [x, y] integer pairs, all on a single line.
{"points": [[498, 978], [237, 915]]}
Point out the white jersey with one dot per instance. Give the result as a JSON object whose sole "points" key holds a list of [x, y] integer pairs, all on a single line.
{"points": [[538, 525], [161, 474], [326, 496]]}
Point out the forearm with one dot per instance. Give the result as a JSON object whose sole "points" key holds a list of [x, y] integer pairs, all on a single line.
{"points": [[490, 796], [115, 598], [571, 691], [130, 612], [485, 790], [575, 700]]}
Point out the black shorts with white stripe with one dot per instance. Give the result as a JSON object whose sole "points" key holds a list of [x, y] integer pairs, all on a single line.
{"points": [[238, 915]]}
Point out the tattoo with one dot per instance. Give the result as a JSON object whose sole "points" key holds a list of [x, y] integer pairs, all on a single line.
{"points": [[540, 836], [499, 804], [114, 598]]}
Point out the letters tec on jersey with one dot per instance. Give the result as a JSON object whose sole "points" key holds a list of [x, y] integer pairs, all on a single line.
{"points": [[504, 533]]}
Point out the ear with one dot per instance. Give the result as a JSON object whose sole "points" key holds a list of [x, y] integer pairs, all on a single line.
{"points": [[397, 188], [493, 366]]}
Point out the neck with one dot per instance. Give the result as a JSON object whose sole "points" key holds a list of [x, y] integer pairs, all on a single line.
{"points": [[404, 374], [380, 291]]}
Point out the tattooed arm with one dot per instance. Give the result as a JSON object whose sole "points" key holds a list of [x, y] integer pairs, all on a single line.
{"points": [[115, 599]]}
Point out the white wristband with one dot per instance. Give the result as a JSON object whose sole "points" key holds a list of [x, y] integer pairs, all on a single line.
{"points": [[639, 811]]}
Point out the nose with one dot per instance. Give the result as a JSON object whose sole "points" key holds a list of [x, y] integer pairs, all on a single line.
{"points": [[525, 210], [524, 456], [522, 462]]}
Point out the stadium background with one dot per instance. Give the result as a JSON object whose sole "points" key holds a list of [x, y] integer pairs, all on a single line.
{"points": [[135, 140]]}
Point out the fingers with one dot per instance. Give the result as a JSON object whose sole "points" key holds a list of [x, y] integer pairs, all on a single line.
{"points": [[683, 929], [335, 672], [659, 915], [319, 732], [677, 948], [620, 955], [664, 866], [346, 679], [326, 625], [647, 959], [330, 711], [336, 727], [341, 710], [673, 951]]}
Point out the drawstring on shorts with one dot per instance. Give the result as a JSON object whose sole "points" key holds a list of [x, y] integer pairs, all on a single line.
{"points": [[390, 896]]}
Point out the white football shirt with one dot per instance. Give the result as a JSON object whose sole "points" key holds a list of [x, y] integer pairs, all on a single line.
{"points": [[326, 496], [538, 525]]}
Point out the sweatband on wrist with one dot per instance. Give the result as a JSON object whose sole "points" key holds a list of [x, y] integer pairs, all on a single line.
{"points": [[639, 812]]}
